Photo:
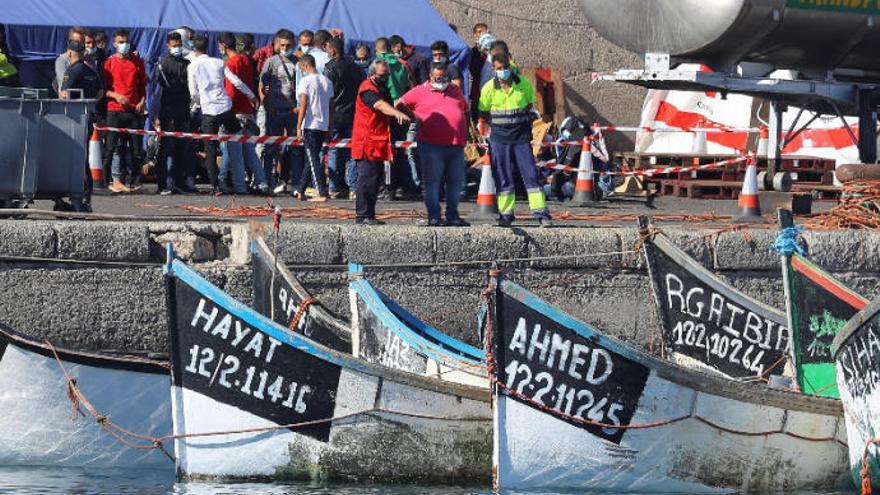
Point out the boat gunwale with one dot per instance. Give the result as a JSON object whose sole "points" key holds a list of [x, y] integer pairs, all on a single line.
{"points": [[95, 359], [176, 268], [375, 303], [853, 326]]}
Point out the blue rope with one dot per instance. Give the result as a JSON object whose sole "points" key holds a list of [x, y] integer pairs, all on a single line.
{"points": [[786, 242]]}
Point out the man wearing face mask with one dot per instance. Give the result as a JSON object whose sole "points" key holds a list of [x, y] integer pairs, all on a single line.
{"points": [[418, 64], [507, 102], [346, 78], [125, 81], [171, 76], [371, 139], [440, 108], [278, 93], [440, 55], [75, 34]]}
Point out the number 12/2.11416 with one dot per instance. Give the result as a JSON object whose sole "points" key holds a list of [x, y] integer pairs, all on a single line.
{"points": [[256, 382]]}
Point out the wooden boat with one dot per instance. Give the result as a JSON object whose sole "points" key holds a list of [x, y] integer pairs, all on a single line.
{"points": [[385, 333], [253, 400], [278, 295], [38, 427], [576, 410], [818, 305], [707, 323], [856, 350]]}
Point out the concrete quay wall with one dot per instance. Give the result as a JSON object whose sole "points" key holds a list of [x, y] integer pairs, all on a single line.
{"points": [[51, 287]]}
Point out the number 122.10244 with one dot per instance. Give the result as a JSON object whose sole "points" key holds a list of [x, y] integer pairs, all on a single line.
{"points": [[202, 357]]}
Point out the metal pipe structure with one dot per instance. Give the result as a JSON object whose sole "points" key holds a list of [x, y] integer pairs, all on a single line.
{"points": [[812, 36]]}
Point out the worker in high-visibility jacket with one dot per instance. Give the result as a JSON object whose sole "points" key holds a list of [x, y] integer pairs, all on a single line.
{"points": [[506, 114]]}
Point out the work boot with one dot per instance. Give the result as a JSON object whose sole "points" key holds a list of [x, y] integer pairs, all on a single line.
{"points": [[118, 187]]}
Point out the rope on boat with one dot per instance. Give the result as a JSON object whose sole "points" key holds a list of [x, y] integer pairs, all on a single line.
{"points": [[146, 442], [301, 310], [491, 365], [79, 400]]}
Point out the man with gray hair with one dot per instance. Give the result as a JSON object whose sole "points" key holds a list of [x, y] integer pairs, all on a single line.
{"points": [[371, 139]]}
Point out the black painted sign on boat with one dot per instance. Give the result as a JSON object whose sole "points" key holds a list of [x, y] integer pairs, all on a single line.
{"points": [[216, 354], [572, 377]]}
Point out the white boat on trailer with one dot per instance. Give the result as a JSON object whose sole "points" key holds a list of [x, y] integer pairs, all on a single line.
{"points": [[40, 427], [252, 400], [576, 410]]}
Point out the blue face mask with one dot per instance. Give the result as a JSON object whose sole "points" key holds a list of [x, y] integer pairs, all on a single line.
{"points": [[566, 134], [287, 53], [503, 74], [123, 48], [176, 51], [91, 51]]}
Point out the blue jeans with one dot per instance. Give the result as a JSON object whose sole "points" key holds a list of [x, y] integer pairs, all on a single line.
{"points": [[277, 123], [442, 166], [245, 154], [339, 160], [313, 141]]}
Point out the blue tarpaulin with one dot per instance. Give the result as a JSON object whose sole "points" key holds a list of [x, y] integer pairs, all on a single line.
{"points": [[36, 30]]}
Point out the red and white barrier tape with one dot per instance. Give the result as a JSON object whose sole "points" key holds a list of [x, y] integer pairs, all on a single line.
{"points": [[708, 130], [653, 171], [292, 141]]}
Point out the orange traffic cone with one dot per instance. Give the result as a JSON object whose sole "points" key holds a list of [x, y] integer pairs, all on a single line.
{"points": [[763, 142], [748, 198], [487, 205], [96, 162], [584, 188]]}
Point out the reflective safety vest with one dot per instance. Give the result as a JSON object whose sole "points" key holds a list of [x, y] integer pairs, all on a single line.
{"points": [[371, 133], [509, 110]]}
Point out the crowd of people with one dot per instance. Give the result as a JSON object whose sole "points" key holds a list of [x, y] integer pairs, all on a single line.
{"points": [[307, 86]]}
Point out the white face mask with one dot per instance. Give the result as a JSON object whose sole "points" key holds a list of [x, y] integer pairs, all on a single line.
{"points": [[439, 86]]}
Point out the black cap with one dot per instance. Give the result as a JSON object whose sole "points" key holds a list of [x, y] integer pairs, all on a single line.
{"points": [[76, 46]]}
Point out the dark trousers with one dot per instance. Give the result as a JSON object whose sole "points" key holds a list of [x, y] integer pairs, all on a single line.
{"points": [[338, 158], [211, 124], [174, 119], [401, 170], [367, 188], [313, 141], [130, 120]]}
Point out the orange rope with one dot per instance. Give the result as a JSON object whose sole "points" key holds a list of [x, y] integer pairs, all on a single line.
{"points": [[859, 208], [300, 311]]}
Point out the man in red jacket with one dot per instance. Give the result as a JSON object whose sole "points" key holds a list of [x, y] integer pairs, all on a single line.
{"points": [[125, 81], [371, 139]]}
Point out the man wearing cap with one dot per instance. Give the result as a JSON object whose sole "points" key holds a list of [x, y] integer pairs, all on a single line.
{"points": [[506, 103], [82, 77]]}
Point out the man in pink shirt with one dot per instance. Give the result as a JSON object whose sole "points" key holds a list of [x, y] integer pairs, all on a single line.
{"points": [[441, 109]]}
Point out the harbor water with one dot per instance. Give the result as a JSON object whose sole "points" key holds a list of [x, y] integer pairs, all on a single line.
{"points": [[56, 481]]}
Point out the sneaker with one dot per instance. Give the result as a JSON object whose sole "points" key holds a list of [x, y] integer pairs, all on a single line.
{"points": [[166, 192], [298, 195], [263, 189], [280, 188], [311, 191], [458, 222], [386, 195], [431, 223], [504, 222], [545, 223], [352, 196], [118, 187], [341, 195], [372, 221]]}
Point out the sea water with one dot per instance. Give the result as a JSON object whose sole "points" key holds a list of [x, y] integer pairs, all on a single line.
{"points": [[55, 481]]}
